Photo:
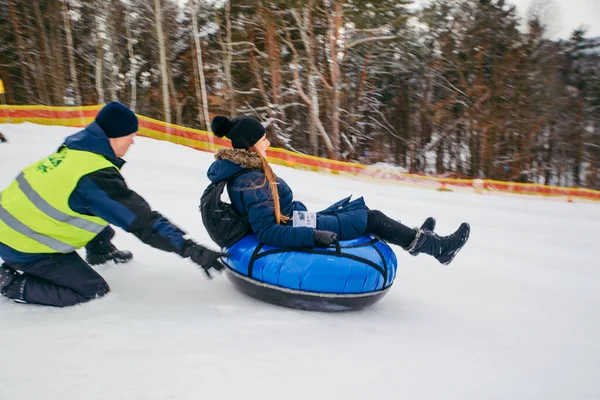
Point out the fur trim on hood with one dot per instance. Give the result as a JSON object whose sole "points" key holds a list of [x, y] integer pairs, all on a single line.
{"points": [[244, 158]]}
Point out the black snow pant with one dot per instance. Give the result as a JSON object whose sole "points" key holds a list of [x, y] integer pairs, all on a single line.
{"points": [[388, 229], [60, 280]]}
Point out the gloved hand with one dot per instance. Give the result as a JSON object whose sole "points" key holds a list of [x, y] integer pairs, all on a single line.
{"points": [[323, 238], [202, 256]]}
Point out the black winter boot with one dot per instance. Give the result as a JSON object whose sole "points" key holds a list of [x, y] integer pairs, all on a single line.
{"points": [[110, 253], [442, 248], [429, 224], [7, 276]]}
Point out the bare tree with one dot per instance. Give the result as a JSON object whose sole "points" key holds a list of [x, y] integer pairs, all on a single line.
{"points": [[37, 66], [47, 56], [132, 59], [274, 58], [110, 47], [336, 53], [57, 50], [21, 49], [164, 71], [71, 51], [304, 23], [227, 49], [199, 64], [99, 67]]}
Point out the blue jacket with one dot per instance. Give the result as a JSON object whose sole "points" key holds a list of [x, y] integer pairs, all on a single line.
{"points": [[250, 195], [105, 194]]}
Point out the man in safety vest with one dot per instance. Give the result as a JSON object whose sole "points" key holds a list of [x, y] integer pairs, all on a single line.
{"points": [[67, 201]]}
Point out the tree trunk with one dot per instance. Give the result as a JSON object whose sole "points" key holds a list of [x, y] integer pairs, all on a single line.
{"points": [[255, 67], [228, 59], [47, 65], [113, 68], [132, 61], [578, 142], [274, 59], [164, 71], [200, 66], [404, 125], [424, 122], [439, 158], [57, 51], [312, 100], [316, 126], [71, 52], [335, 54], [99, 72], [256, 70], [180, 106], [549, 154], [21, 50], [37, 66], [474, 150], [198, 89]]}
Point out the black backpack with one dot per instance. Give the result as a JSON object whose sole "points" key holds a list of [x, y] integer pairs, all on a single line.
{"points": [[224, 225]]}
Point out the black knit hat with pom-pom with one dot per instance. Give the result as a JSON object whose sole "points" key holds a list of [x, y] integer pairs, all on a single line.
{"points": [[243, 131]]}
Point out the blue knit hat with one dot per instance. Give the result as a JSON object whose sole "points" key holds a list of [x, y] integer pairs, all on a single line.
{"points": [[117, 120], [243, 131]]}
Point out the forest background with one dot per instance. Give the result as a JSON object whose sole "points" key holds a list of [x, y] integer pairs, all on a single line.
{"points": [[459, 88]]}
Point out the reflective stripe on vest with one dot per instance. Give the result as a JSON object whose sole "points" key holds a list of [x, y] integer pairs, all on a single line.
{"points": [[35, 216], [24, 230], [47, 209]]}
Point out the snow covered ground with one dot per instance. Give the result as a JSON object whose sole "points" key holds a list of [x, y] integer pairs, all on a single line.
{"points": [[516, 315]]}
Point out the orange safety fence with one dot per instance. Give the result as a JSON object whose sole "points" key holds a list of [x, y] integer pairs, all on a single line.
{"points": [[206, 141]]}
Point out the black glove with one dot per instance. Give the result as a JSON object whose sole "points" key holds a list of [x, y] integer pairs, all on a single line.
{"points": [[202, 256], [323, 238]]}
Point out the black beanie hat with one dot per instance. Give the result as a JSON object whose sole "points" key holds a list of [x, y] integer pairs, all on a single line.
{"points": [[117, 120], [243, 131]]}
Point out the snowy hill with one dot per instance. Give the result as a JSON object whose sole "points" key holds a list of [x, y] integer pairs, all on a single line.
{"points": [[516, 316]]}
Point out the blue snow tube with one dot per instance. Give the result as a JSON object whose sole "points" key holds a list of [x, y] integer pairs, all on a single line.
{"points": [[353, 274]]}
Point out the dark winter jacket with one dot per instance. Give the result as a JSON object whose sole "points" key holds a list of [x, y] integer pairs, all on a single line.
{"points": [[105, 194], [250, 195]]}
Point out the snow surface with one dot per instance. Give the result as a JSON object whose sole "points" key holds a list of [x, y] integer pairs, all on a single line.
{"points": [[516, 315]]}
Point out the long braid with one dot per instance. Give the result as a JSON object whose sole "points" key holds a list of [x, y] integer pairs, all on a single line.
{"points": [[272, 179]]}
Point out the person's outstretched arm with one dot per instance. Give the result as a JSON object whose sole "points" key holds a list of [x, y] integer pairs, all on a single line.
{"points": [[105, 194]]}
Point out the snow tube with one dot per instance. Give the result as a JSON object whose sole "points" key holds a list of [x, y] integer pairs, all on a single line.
{"points": [[353, 274]]}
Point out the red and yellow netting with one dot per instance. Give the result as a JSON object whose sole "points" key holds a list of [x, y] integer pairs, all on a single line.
{"points": [[206, 141]]}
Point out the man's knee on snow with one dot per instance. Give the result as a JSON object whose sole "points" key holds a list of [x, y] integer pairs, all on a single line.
{"points": [[95, 291], [26, 289], [103, 289], [90, 293]]}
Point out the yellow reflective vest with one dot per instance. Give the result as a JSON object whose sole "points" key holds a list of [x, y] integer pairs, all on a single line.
{"points": [[35, 216]]}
